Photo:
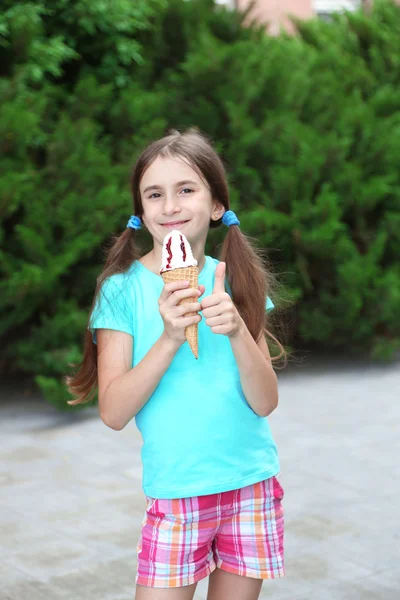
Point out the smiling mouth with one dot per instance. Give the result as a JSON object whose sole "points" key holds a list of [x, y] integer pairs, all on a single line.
{"points": [[174, 223]]}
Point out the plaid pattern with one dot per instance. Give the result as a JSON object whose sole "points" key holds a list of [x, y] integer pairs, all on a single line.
{"points": [[240, 531]]}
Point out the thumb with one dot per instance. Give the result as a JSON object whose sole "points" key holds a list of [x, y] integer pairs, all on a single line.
{"points": [[219, 283]]}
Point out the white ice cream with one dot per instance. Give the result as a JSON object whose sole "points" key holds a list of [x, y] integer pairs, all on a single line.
{"points": [[176, 252]]}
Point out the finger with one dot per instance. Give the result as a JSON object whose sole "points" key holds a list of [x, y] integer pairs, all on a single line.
{"points": [[169, 288], [183, 309], [202, 289], [213, 300], [187, 321], [219, 329], [212, 311], [174, 298], [219, 283], [215, 321]]}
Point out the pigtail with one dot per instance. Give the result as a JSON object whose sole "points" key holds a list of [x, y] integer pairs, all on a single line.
{"points": [[122, 251], [83, 383], [250, 283]]}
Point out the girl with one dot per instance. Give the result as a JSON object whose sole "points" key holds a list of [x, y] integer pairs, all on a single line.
{"points": [[210, 465]]}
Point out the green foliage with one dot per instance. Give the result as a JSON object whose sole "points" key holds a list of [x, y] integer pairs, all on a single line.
{"points": [[308, 125]]}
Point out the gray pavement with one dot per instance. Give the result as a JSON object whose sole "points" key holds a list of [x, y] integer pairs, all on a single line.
{"points": [[71, 503]]}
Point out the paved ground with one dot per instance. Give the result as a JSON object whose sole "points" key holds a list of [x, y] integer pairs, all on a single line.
{"points": [[71, 502]]}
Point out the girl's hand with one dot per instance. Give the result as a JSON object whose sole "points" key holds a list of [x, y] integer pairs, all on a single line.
{"points": [[175, 321], [218, 309]]}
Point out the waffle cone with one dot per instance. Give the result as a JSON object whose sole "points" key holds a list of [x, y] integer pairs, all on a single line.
{"points": [[190, 274]]}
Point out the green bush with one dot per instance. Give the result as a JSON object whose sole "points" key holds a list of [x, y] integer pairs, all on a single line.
{"points": [[308, 125]]}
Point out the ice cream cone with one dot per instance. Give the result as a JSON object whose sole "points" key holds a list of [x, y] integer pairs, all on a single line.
{"points": [[190, 274]]}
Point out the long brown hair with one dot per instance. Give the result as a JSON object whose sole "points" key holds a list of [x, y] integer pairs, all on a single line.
{"points": [[248, 278]]}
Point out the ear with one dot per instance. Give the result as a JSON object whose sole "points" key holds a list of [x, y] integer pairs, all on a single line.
{"points": [[218, 211]]}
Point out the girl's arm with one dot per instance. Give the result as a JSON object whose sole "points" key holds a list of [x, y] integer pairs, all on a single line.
{"points": [[257, 377], [124, 390]]}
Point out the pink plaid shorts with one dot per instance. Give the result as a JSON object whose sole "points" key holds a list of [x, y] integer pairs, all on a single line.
{"points": [[241, 531]]}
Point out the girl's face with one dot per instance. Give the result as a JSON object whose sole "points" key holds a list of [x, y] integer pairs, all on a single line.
{"points": [[174, 196]]}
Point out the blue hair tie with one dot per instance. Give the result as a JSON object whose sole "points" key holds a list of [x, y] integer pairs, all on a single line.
{"points": [[230, 218], [134, 222]]}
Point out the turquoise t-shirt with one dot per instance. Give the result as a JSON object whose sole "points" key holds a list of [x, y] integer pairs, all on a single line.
{"points": [[200, 435]]}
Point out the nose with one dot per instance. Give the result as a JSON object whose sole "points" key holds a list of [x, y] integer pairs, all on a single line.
{"points": [[171, 205]]}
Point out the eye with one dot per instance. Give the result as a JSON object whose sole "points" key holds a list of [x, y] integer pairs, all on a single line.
{"points": [[155, 195], [187, 190]]}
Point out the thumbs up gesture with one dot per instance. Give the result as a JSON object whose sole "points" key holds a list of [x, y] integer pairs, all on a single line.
{"points": [[218, 309]]}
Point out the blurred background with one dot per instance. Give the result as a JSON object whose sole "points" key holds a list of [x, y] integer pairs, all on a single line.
{"points": [[301, 98]]}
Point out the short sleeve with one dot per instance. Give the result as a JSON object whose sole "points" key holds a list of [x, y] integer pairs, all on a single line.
{"points": [[113, 307], [269, 305]]}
